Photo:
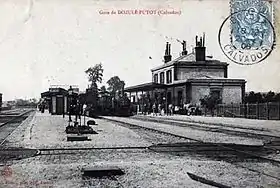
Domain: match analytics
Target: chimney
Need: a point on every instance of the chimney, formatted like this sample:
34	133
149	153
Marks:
167	56
200	48
184	52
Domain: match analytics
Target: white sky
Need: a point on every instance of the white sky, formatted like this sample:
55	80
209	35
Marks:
44	42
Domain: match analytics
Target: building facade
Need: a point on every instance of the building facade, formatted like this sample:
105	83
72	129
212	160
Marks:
58	99
189	78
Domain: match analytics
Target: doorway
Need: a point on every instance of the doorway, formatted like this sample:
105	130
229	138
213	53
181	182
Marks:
169	98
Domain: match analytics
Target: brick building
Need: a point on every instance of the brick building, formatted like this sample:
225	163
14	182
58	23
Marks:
189	78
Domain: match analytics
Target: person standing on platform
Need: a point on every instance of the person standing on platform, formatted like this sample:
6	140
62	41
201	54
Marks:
159	109
169	110
78	111
43	107
84	112
71	111
145	108
172	110
154	109
162	112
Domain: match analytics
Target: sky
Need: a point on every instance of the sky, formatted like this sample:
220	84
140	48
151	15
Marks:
53	42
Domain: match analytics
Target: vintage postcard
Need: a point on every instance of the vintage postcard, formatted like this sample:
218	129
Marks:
139	93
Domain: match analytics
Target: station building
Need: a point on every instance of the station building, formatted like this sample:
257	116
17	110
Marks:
57	99
189	78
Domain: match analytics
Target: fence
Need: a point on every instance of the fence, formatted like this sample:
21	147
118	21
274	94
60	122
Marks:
270	111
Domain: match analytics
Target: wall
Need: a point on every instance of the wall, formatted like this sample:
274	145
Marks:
198	92
185	73
232	94
185	94
229	94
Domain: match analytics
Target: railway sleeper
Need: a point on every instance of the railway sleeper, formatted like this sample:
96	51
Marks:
212	148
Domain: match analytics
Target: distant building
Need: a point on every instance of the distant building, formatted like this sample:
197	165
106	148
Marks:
189	78
57	99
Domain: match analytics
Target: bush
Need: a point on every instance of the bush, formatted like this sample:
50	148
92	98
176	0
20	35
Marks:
210	102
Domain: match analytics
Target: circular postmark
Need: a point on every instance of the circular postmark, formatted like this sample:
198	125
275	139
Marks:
246	37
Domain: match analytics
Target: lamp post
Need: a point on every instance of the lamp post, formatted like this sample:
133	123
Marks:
70	97
165	105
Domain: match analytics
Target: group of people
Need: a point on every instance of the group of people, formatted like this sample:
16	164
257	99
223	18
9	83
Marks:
77	109
160	110
42	105
156	109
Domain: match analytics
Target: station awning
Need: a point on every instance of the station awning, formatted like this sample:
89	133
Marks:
144	87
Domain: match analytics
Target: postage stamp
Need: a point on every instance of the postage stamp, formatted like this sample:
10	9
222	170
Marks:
250	30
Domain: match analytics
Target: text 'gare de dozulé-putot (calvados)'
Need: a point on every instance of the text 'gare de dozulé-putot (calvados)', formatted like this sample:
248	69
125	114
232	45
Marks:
141	12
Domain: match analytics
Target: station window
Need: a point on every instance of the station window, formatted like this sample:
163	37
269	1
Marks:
169	76
162	77
156	78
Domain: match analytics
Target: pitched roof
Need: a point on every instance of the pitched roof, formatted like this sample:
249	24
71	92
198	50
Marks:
189	59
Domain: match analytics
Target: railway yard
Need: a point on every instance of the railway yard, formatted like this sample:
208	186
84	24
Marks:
151	151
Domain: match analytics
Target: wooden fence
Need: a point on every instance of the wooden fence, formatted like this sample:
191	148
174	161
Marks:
270	111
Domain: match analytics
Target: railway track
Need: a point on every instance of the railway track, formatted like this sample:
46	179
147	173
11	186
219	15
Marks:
221	147
12	112
62	151
134	126
7	127
272	142
212	128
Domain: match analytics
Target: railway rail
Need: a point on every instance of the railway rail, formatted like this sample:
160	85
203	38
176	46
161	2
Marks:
212	128
6	129
61	151
12	112
237	151
133	126
14	122
272	142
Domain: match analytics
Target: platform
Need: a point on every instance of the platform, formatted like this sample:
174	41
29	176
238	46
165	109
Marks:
143	168
47	131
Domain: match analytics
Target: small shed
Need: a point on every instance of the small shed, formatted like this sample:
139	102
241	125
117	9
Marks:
57	99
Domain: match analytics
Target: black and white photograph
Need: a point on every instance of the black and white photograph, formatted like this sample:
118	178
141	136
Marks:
139	93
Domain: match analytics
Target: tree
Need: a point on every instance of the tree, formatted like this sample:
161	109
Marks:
253	97
115	84
103	91
24	102
250	98
259	97
277	97
210	102
269	97
95	74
